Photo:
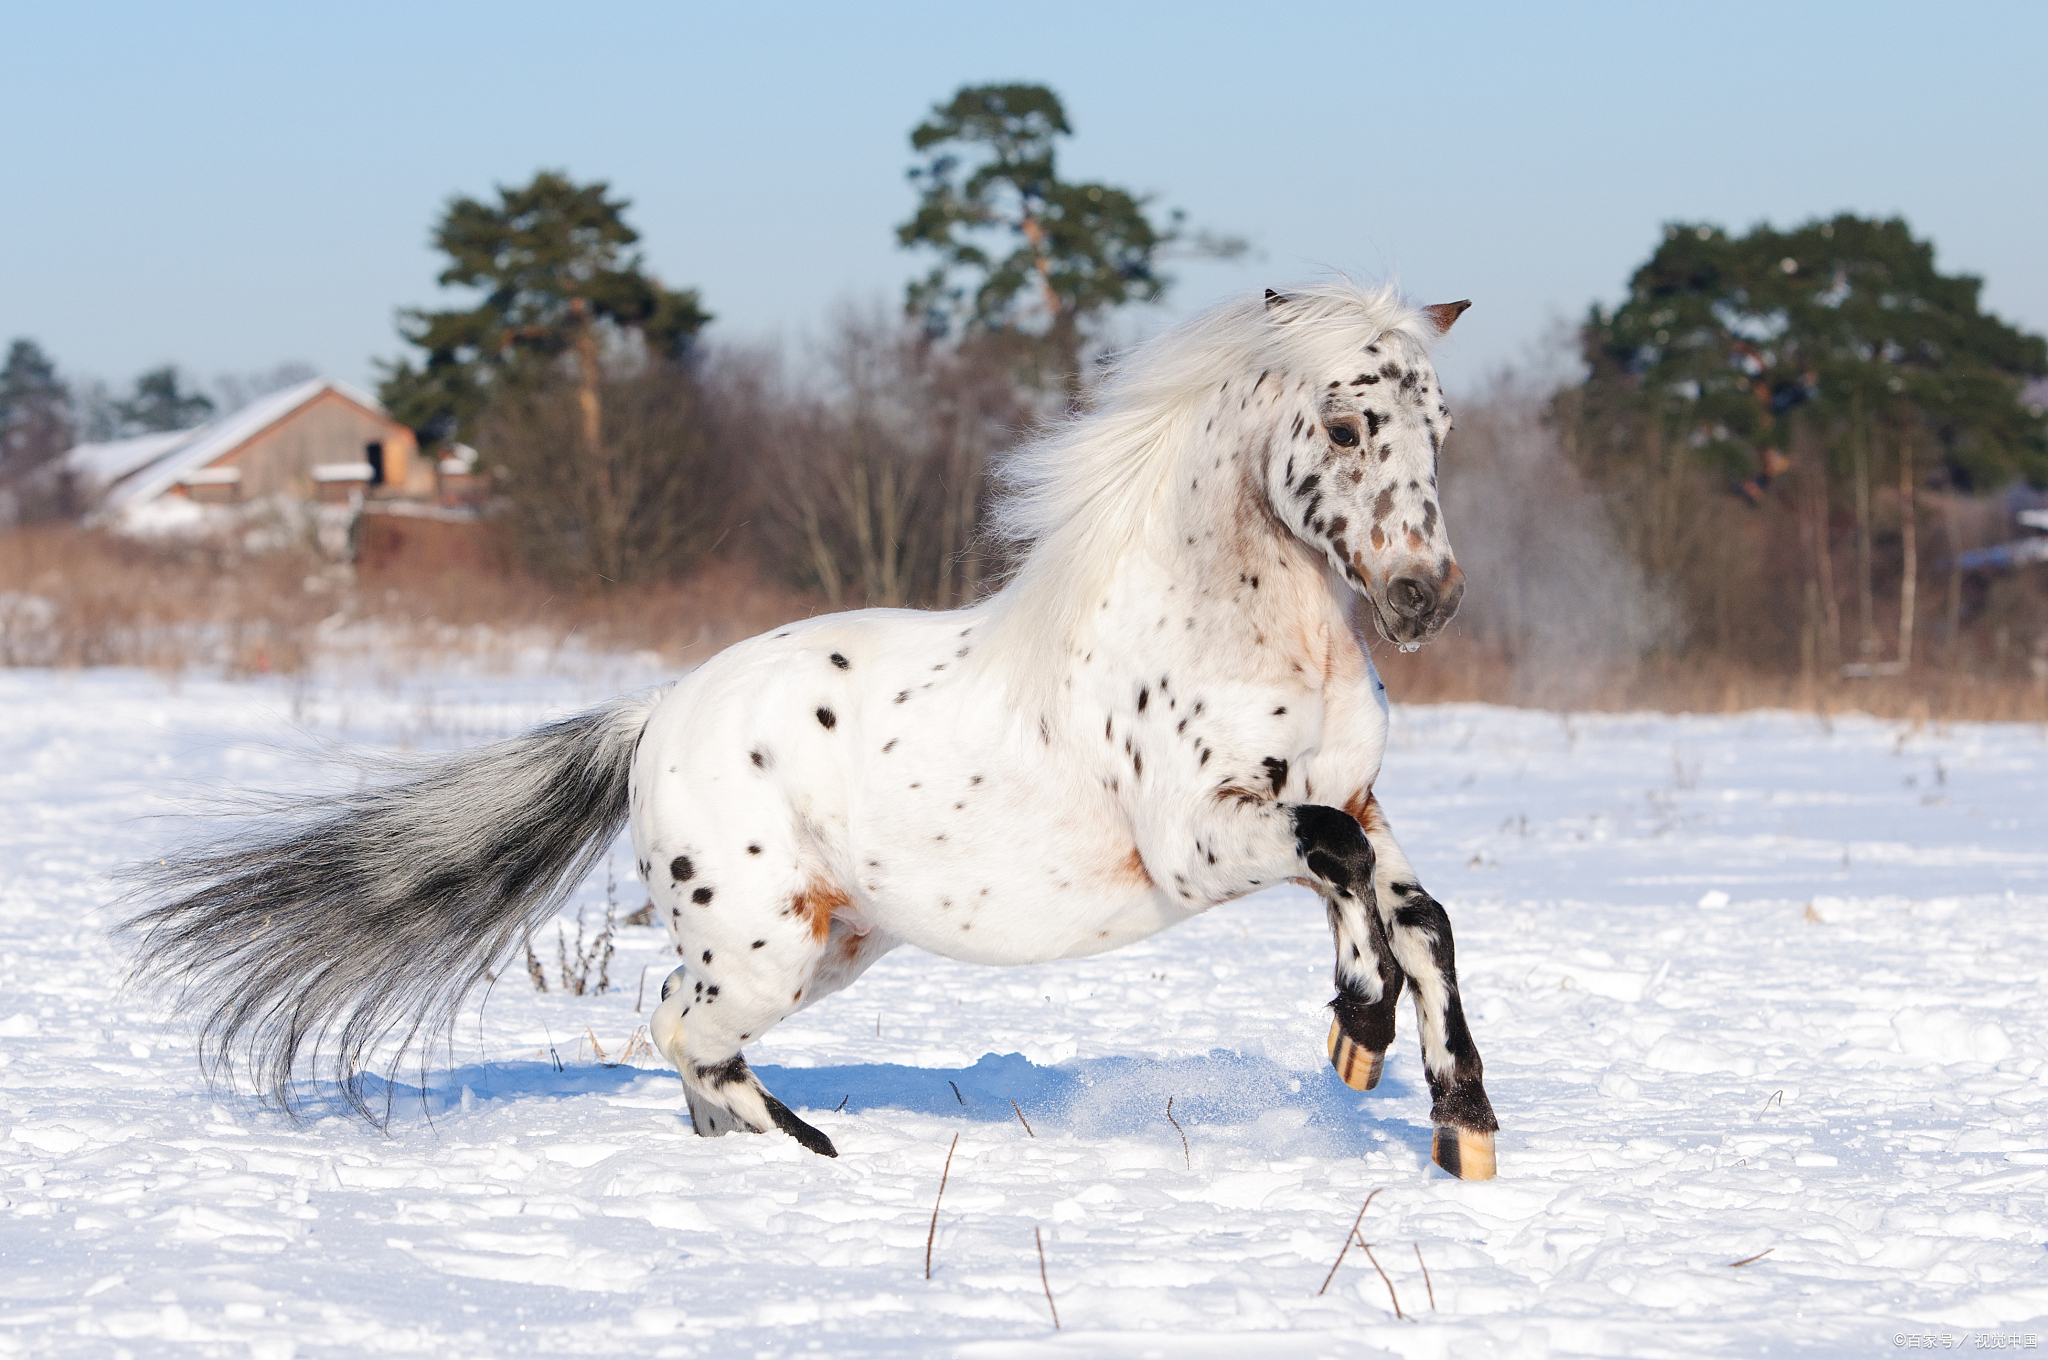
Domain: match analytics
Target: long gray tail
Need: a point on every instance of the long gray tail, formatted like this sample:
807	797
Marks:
347	920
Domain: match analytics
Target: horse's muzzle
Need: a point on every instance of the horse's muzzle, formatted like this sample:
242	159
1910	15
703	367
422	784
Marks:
1414	607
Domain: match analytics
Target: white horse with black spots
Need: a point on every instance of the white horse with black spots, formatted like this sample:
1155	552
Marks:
1164	709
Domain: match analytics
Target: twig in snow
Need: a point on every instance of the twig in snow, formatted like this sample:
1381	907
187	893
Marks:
933	1231
1778	1096
956	1093
1425	1277
1021	1119
1039	1238
1186	1156
842	1102
602	1056
1383	1278
1347	1242
641	995
1747	1259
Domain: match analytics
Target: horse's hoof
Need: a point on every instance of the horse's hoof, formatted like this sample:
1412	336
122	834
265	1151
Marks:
1465	1153
1357	1067
810	1137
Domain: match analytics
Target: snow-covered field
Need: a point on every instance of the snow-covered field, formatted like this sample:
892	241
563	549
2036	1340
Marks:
1749	985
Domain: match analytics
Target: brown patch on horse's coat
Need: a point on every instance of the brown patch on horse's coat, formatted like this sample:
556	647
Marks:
1364	807
816	904
1379	538
1132	867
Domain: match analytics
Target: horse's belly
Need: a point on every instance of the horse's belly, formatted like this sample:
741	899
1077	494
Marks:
1004	898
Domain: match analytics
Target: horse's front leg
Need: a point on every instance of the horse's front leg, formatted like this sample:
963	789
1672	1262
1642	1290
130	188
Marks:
1418	932
1244	842
1369	983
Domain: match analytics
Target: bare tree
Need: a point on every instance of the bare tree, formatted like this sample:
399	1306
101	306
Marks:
875	479
650	501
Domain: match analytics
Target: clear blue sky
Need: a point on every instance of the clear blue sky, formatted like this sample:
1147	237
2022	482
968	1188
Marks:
233	186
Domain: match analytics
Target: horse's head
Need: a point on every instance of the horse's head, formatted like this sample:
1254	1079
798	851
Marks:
1354	475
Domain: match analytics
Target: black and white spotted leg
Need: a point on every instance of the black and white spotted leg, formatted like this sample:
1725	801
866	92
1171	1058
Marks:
1419	932
1369	983
1368	978
702	1038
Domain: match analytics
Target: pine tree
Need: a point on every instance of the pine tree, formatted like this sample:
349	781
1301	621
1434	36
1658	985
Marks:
553	261
1021	250
35	411
1835	352
1728	341
160	403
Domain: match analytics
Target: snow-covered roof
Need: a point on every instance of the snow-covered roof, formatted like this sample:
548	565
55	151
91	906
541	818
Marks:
109	461
143	468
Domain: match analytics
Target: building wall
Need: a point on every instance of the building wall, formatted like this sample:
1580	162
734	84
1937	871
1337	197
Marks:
330	429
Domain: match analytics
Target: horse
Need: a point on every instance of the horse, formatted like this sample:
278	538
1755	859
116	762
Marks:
1165	707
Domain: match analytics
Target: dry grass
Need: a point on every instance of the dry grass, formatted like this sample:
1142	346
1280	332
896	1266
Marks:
71	598
931	1233
1455	670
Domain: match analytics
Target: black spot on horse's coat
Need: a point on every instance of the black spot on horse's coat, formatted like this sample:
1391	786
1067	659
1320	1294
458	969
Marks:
1144	697
1138	762
841	662
753	849
890	745
707	956
827	719
1280	711
1373	421
759	944
901	695
681	870
759	757
701	896
1276	770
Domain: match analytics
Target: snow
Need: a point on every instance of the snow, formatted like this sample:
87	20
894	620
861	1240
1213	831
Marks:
105	463
1753	984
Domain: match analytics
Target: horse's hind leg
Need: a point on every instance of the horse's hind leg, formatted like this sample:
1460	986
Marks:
1419	932
733	990
700	1028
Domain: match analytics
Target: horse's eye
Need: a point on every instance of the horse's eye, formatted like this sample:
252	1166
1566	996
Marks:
1344	435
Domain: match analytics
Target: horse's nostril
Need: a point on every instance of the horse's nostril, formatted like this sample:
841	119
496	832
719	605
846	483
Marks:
1410	597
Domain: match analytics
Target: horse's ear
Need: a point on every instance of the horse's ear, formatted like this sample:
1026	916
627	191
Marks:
1443	314
1274	299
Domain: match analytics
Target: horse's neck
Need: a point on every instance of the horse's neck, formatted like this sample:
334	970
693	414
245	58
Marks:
1259	599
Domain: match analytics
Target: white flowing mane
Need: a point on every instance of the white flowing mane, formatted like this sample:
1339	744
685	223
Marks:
1083	495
